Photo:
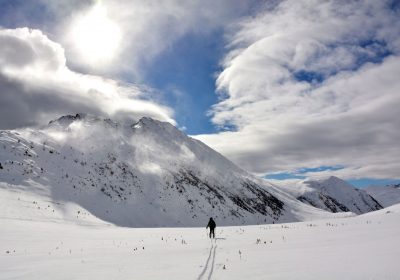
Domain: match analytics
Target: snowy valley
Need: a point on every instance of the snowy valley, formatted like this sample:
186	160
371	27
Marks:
89	198
357	248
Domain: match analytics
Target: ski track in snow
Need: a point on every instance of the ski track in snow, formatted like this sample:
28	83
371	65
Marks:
212	263
212	252
357	248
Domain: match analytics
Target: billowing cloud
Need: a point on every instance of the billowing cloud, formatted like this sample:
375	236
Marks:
36	85
313	83
146	29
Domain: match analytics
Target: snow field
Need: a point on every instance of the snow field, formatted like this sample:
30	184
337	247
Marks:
73	207
363	247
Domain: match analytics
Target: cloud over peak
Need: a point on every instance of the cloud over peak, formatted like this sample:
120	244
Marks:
36	85
304	84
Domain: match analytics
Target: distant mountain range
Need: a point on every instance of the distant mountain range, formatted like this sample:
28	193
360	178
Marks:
334	195
386	195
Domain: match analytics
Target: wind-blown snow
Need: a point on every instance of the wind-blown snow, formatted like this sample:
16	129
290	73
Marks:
146	174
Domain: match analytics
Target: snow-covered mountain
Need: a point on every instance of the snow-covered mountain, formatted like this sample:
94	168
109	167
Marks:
385	195
145	174
333	194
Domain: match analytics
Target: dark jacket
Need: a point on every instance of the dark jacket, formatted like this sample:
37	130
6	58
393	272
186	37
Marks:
211	224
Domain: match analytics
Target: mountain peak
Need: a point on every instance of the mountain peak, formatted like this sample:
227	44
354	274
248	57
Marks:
337	195
331	181
336	180
166	129
65	121
78	116
148	174
148	121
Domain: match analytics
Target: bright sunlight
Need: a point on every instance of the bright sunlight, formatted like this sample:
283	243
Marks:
95	36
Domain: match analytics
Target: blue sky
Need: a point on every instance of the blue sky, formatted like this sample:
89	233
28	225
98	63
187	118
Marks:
186	73
301	174
285	89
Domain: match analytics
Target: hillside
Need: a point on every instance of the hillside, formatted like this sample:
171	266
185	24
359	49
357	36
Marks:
333	194
385	195
146	174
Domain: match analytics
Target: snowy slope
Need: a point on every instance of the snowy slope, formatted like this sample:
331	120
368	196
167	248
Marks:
385	195
147	174
333	194
357	248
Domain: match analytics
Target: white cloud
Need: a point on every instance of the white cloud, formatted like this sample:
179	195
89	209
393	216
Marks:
285	120
148	28
36	85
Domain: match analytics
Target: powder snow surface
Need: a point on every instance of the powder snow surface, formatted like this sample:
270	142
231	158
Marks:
362	247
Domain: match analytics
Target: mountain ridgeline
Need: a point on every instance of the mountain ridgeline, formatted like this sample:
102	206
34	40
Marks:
386	195
149	174
143	174
334	195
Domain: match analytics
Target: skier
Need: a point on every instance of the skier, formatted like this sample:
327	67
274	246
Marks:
212	226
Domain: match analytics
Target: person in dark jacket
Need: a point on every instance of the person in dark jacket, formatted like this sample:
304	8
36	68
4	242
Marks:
212	225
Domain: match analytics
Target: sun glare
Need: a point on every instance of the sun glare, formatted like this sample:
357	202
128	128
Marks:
95	36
